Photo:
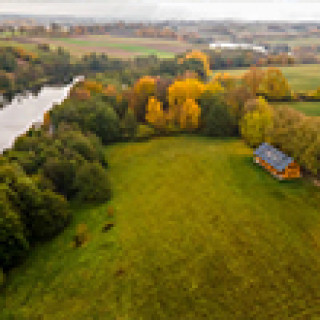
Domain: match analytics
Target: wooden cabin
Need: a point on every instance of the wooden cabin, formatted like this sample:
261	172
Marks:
276	162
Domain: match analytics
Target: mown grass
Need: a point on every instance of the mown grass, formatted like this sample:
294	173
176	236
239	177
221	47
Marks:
200	233
308	108
300	77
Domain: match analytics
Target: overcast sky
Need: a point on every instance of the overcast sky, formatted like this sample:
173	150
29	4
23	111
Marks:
170	9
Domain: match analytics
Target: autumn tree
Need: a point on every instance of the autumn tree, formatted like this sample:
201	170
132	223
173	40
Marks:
189	115
274	85
191	59
256	125
236	98
144	88
252	79
154	114
182	90
226	80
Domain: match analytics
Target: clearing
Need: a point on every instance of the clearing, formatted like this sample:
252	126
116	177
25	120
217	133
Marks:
200	233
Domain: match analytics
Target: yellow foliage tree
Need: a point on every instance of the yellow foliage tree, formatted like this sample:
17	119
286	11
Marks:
214	87
199	55
93	86
154	113
257	124
189	115
179	92
274	85
144	88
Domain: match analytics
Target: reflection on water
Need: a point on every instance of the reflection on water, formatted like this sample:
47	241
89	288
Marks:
24	110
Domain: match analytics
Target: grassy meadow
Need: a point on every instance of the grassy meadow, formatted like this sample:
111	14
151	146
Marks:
308	108
200	233
300	77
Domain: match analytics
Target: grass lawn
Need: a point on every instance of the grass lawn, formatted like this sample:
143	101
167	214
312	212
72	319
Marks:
300	77
200	233
308	108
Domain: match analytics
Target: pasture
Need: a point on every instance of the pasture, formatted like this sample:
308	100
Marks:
116	46
308	108
200	233
300	77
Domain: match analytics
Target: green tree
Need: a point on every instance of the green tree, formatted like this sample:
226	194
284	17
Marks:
129	125
92	183
13	243
256	125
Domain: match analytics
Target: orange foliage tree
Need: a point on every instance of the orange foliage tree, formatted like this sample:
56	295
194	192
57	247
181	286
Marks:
93	86
190	115
155	114
253	79
180	92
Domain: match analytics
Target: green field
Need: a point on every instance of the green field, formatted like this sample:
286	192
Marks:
303	41
27	46
136	49
200	233
300	77
308	108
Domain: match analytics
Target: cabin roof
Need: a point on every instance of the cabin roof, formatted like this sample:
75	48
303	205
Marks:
273	156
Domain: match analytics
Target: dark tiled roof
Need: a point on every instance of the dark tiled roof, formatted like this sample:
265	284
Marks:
273	156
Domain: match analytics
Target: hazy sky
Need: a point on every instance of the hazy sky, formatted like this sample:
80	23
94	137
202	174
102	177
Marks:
170	9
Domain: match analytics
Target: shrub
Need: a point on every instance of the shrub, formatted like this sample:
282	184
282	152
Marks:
144	132
62	174
81	236
129	125
92	183
106	125
13	242
92	115
219	121
2	278
87	145
51	217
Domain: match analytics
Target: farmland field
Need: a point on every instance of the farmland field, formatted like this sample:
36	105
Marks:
12	43
116	46
300	77
200	233
308	108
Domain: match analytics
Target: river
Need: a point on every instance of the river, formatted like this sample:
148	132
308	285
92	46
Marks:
18	117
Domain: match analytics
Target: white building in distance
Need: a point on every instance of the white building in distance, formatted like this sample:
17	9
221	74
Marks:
238	46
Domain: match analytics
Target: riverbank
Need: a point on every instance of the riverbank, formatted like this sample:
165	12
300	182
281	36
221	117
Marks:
21	114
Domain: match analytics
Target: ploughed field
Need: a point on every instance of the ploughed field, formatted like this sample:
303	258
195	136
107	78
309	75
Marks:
200	233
